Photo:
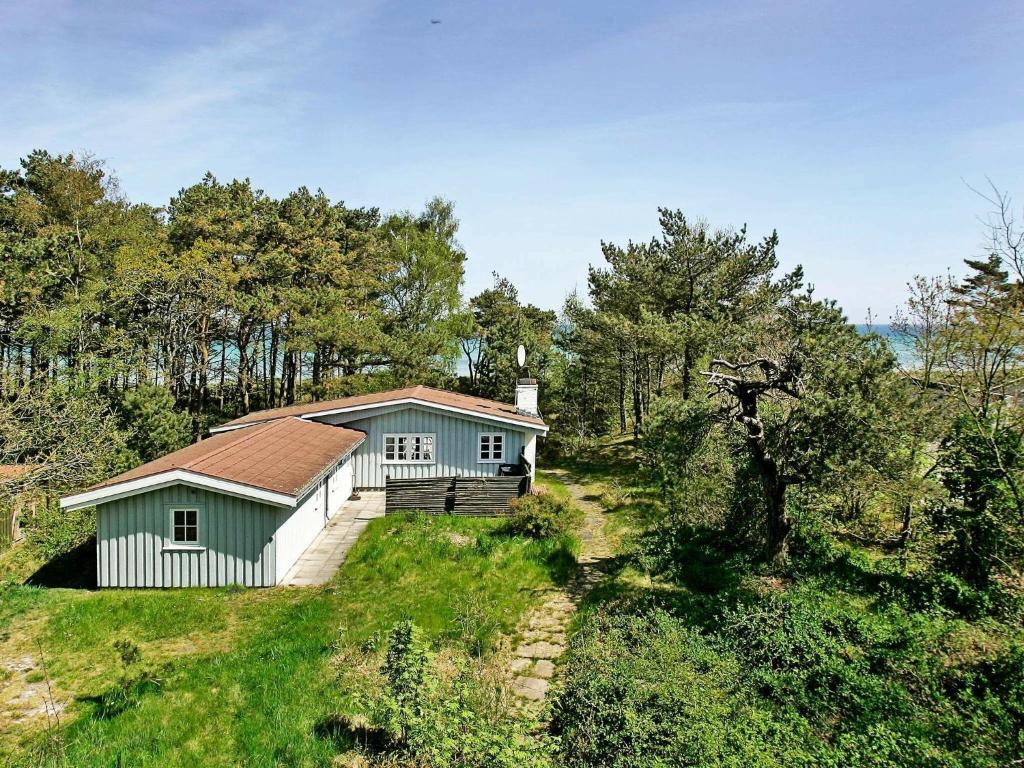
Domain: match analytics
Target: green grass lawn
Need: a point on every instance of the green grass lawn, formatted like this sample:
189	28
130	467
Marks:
245	676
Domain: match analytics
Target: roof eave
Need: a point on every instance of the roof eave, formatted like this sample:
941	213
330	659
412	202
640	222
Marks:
330	467
152	482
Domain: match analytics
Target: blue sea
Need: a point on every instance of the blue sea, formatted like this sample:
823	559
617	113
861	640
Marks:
901	345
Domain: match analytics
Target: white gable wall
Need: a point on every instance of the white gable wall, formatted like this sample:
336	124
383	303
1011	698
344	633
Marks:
339	488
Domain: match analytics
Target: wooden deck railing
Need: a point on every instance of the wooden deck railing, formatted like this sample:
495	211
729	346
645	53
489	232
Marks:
454	495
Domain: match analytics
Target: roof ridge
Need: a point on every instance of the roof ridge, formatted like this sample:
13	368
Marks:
461	394
423	394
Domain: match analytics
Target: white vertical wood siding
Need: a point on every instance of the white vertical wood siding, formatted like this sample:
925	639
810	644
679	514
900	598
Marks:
133	541
340	488
297	527
456	444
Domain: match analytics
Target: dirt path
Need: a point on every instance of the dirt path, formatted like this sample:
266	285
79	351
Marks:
543	630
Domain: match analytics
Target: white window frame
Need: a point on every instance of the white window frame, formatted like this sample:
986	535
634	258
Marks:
408	437
175	544
489	436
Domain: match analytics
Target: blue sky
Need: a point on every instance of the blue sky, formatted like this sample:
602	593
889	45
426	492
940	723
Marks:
851	128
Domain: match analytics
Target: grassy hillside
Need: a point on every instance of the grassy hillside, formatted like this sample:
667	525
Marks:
234	676
686	653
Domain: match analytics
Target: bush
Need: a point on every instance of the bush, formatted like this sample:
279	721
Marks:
55	531
135	681
647	691
543	515
437	712
936	589
789	678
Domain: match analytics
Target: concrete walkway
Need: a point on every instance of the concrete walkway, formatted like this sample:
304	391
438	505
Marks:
321	559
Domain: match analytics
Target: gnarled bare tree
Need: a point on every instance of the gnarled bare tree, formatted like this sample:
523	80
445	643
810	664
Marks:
810	393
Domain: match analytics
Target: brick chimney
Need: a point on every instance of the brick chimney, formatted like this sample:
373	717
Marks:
526	397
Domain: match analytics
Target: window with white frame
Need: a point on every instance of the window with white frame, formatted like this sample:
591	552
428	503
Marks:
409	448
185	525
492	447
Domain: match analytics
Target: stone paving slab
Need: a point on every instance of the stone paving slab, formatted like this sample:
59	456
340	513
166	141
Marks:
328	550
542	634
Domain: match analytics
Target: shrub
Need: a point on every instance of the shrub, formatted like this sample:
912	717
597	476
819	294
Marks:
647	691
438	712
789	678
135	680
55	531
543	515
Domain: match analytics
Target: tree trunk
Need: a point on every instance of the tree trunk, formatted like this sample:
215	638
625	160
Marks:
263	363
622	392
638	414
288	377
687	371
223	362
317	372
272	377
779	521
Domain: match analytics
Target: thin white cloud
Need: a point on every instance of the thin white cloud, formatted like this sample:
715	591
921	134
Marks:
243	89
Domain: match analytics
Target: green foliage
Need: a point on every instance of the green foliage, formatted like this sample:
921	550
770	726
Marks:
544	515
688	456
500	325
795	678
420	292
55	531
135	681
434	715
979	522
68	430
644	691
227	298
404	670
156	427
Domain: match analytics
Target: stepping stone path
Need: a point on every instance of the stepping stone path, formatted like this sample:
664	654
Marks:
542	632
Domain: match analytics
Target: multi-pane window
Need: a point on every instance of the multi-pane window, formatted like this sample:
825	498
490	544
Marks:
409	448
492	447
185	526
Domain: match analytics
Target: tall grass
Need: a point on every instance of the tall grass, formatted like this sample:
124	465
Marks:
244	675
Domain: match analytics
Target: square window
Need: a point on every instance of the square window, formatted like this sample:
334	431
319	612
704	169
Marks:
491	447
185	526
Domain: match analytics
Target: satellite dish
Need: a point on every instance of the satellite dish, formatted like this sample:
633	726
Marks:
521	355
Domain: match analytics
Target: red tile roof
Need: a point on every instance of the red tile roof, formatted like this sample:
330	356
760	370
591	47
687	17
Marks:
426	395
13	471
284	455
